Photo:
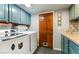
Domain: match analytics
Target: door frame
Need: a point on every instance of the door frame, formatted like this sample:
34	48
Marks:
52	27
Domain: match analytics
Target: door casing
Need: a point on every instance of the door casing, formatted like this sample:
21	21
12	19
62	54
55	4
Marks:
46	35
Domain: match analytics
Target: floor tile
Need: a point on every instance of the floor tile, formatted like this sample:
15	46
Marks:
44	50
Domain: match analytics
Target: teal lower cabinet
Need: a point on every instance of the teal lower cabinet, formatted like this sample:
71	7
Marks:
68	46
71	51
74	46
64	45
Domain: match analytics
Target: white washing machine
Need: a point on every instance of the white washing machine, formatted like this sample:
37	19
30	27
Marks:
19	45
32	39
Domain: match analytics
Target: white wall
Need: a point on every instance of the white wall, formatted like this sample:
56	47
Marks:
35	24
56	32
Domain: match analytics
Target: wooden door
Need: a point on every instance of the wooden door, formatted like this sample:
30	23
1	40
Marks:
46	30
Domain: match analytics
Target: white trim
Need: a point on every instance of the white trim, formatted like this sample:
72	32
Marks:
57	49
46	12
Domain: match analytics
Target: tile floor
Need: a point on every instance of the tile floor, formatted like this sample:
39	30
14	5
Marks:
44	50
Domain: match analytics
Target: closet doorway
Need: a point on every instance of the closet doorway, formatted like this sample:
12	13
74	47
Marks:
46	30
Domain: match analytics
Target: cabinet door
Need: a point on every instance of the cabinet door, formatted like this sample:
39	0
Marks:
62	43
28	19
71	51
14	13
72	12
23	17
65	45
74	46
76	10
6	12
1	11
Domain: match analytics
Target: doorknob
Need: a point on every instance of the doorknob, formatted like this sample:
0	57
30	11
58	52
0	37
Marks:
45	44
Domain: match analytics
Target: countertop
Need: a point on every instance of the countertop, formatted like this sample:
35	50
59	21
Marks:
16	36
73	37
11	37
28	32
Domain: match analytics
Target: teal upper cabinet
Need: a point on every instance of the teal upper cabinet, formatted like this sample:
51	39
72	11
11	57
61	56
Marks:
25	18
28	19
1	11
72	12
76	10
4	12
18	15
14	13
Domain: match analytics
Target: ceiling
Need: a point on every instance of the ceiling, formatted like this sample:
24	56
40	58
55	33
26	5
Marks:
38	8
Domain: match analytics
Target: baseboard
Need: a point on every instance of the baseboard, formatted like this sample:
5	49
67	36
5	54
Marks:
57	49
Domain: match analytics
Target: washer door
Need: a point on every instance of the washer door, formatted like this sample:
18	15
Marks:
20	45
13	46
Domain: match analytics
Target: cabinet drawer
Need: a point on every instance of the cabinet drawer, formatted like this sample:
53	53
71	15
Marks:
74	46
